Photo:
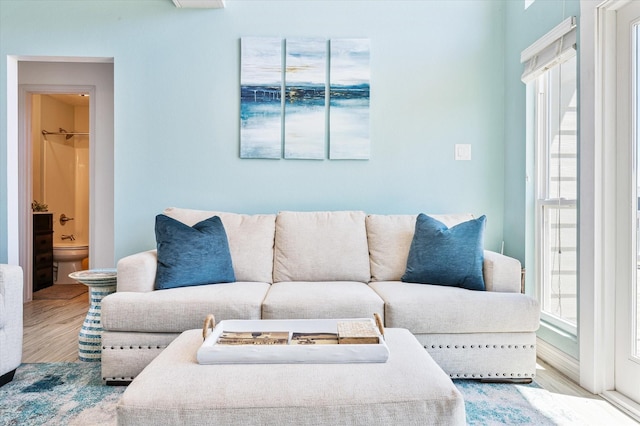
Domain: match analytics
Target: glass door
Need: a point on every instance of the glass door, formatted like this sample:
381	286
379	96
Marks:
627	337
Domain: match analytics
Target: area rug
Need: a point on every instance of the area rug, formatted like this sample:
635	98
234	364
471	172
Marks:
66	393
60	292
73	394
503	403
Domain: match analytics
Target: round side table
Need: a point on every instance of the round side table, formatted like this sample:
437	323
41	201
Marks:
101	282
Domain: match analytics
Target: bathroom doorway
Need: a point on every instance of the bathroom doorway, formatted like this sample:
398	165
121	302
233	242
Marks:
60	175
60	76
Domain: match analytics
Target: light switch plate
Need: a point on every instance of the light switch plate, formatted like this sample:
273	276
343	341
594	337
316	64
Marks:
462	151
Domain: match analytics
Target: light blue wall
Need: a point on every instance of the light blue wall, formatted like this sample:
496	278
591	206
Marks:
438	75
523	27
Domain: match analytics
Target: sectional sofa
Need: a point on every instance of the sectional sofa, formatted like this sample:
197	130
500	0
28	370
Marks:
339	264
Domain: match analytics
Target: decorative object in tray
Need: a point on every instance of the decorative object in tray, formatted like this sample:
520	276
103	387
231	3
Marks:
253	338
293	341
357	332
314	339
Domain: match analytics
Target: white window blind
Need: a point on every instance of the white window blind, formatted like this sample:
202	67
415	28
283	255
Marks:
553	48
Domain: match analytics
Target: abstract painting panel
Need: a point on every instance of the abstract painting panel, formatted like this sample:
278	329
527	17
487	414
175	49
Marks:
260	98
305	106
349	100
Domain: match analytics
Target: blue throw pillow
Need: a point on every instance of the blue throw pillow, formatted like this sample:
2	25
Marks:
189	256
447	256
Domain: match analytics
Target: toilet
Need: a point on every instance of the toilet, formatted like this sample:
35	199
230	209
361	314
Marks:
67	258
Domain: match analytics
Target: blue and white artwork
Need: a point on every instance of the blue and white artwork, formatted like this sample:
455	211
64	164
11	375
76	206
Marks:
305	106
349	100
260	98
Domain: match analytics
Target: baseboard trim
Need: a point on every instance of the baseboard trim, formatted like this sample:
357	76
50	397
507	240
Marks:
624	404
565	364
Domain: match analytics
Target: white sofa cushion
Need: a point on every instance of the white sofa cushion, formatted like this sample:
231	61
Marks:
3	315
430	309
250	240
178	309
321	246
390	238
309	300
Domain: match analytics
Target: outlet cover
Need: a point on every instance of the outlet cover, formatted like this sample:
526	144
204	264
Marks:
462	152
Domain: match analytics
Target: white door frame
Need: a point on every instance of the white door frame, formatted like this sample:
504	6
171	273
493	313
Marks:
101	156
598	205
597	195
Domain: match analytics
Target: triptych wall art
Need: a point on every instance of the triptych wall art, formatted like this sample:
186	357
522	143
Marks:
299	96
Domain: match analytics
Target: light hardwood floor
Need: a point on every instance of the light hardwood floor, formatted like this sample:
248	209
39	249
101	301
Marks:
51	335
51	329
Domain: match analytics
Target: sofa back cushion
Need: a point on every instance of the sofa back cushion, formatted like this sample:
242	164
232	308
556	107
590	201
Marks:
250	238
390	238
321	246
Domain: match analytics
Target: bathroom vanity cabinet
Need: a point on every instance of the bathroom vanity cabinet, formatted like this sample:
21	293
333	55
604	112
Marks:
42	250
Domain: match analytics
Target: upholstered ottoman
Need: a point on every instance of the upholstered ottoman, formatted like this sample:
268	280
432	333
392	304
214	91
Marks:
409	389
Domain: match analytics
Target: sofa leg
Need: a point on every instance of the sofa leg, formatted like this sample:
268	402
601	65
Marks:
117	382
7	377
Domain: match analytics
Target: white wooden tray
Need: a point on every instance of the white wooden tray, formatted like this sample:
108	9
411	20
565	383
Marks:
212	353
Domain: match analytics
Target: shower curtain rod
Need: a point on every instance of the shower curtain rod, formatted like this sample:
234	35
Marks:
45	132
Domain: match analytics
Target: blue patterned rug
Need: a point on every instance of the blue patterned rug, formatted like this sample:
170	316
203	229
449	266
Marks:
73	394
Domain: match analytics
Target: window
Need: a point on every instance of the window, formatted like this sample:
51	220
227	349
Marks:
556	193
551	68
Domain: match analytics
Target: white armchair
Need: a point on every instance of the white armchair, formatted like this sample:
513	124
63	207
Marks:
11	284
